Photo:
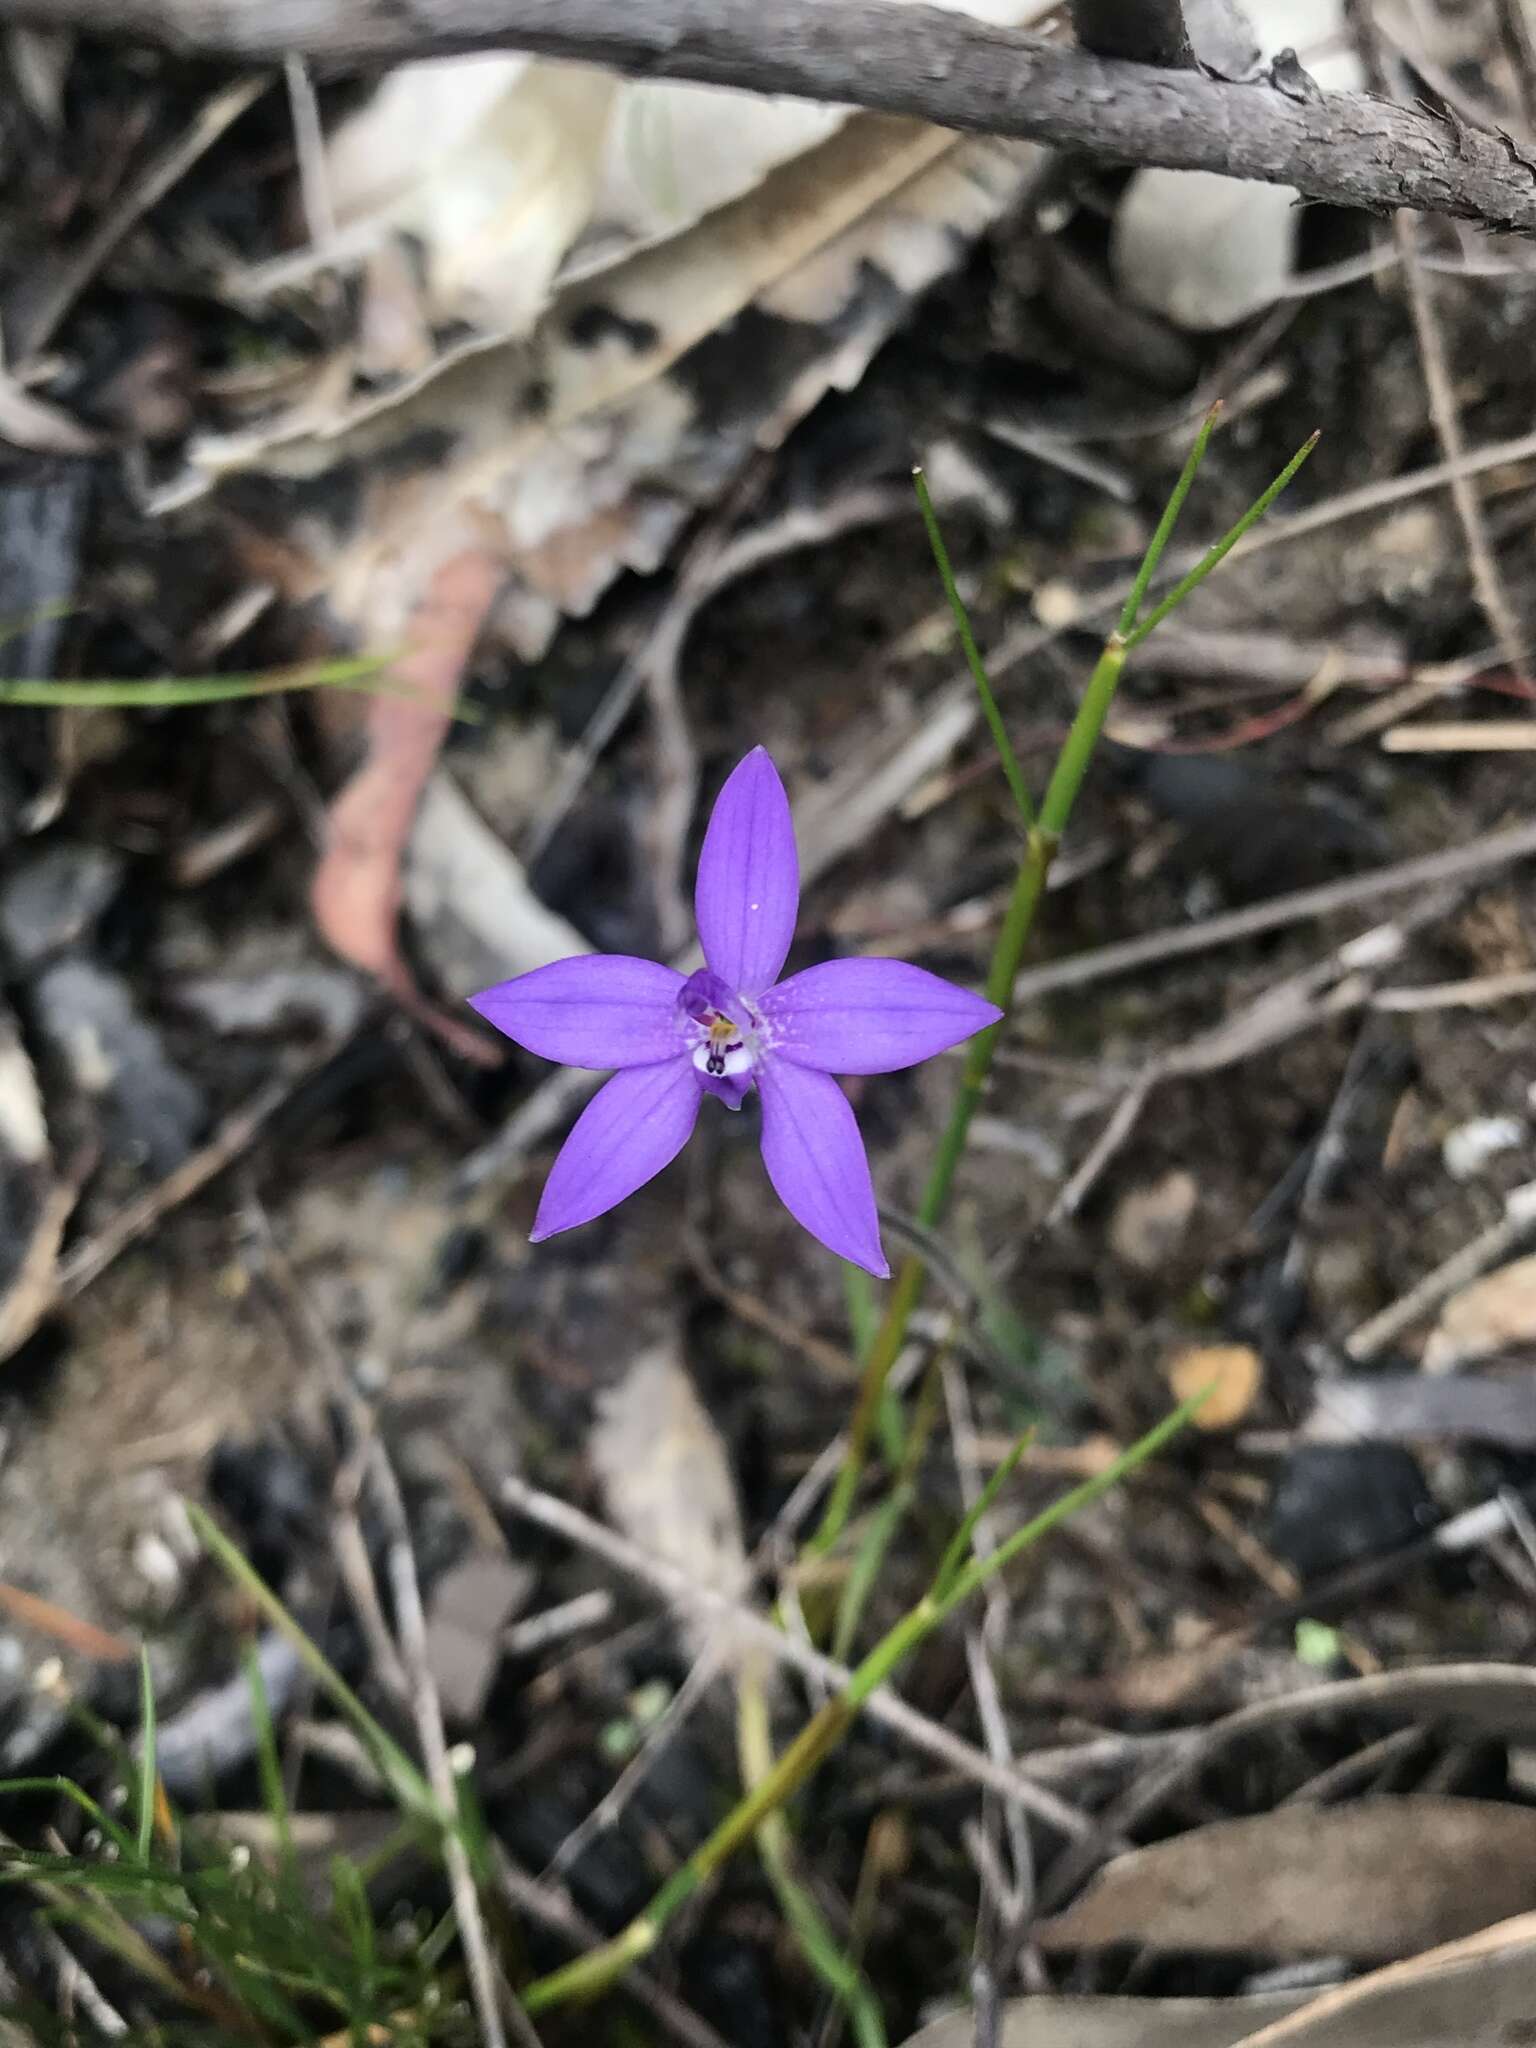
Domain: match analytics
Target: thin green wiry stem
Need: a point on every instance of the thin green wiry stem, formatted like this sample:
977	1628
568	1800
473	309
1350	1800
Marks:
167	693
395	1767
1018	922
145	1816
953	1562
1214	556
869	1559
818	1943
1010	760
600	1967
365	673
1018	919
1163	533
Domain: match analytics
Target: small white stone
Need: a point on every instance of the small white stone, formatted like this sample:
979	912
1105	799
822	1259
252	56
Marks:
154	1560
1471	1145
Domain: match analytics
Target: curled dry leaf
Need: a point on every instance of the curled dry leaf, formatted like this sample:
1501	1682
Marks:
357	887
499	175
584	449
1373	1879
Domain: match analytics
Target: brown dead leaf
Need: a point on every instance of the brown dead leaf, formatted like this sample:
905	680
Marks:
1371	1879
1117	2022
1476	1993
1492	1314
357	889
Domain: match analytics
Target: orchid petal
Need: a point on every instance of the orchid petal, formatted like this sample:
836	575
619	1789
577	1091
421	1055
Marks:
598	1010
869	1016
816	1161
748	888
635	1124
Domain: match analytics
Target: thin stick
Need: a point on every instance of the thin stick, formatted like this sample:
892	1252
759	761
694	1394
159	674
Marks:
1468	736
675	1585
167	170
237	1133
1492	851
427	1711
1446	414
552	1906
1486	1249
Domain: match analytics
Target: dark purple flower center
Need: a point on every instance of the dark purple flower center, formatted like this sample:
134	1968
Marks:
721	1032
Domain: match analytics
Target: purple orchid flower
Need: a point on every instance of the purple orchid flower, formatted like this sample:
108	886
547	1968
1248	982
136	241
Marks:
675	1039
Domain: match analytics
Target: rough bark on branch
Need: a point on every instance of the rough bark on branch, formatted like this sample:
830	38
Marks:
1349	148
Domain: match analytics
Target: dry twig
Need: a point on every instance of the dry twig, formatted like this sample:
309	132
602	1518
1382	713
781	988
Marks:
676	1585
947	68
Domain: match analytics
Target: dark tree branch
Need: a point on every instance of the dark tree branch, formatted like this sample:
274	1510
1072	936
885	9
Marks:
947	68
1141	31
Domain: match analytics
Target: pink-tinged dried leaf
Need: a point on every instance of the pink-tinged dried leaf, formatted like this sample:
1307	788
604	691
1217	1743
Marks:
47	1618
356	893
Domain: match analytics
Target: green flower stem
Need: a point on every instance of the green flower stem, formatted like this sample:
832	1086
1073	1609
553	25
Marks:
1018	922
1214	556
1135	597
600	1967
1010	760
409	1787
818	1943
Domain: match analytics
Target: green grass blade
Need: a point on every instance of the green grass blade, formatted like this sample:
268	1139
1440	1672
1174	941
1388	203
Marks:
148	1771
980	1569
268	1764
66	1788
365	673
974	662
407	1784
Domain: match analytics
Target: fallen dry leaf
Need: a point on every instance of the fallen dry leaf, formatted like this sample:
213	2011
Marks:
1475	1993
1117	2022
469	901
1491	1315
586	448
1372	1879
667	1480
